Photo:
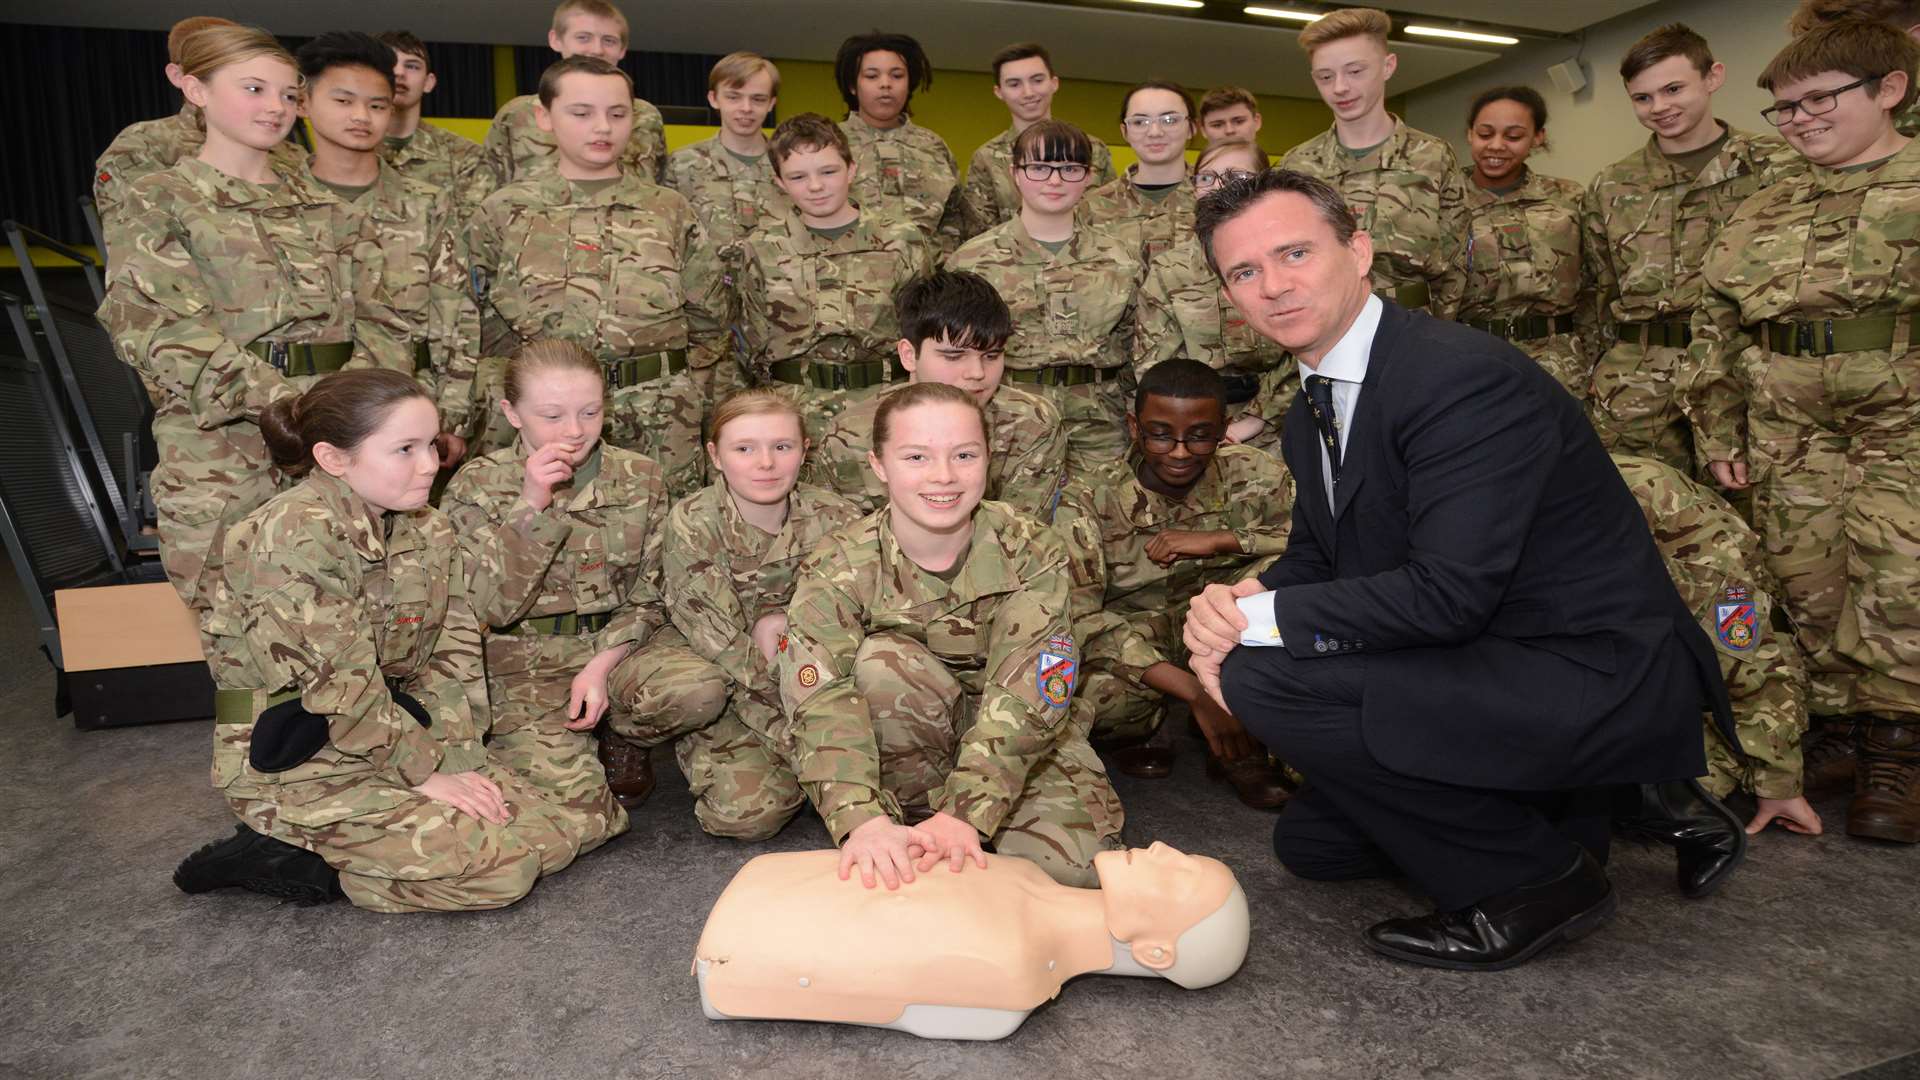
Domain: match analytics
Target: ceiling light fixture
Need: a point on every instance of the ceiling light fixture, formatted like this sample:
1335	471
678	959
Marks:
1462	35
1173	3
1282	13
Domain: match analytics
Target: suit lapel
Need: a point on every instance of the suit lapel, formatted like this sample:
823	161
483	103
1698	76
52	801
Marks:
1355	461
1302	445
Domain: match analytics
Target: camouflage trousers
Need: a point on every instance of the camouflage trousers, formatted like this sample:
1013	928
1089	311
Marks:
1767	684
663	691
1067	810
205	482
1635	407
1563	356
743	784
1113	710
529	682
1835	451
1278	388
660	418
1095	418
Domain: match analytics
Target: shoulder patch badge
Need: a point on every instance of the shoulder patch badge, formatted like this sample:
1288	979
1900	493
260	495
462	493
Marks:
1060	644
1053	676
1737	622
808	676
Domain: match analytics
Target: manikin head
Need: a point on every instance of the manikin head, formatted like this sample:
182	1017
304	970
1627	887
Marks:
1181	916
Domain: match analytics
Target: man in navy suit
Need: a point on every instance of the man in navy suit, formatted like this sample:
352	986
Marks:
1471	647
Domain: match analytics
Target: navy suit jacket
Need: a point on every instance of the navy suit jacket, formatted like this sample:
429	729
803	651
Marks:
1485	556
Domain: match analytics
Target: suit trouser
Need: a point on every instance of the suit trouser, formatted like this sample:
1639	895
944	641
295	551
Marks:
1361	819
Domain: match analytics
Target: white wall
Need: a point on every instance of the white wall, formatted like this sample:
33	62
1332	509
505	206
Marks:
1596	127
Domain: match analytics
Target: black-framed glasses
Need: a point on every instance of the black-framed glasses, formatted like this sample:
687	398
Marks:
1818	103
1161	442
1168	120
1212	178
1040	172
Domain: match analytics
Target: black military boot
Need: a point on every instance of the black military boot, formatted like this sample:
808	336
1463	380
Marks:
1707	839
259	863
1886	786
1829	761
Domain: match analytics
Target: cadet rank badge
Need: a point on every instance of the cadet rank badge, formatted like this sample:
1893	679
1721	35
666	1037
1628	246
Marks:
1053	675
1737	620
808	676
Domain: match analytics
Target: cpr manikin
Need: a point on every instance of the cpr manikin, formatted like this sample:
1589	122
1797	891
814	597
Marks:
959	955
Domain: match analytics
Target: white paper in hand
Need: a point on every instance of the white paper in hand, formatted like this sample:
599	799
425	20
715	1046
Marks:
1261	627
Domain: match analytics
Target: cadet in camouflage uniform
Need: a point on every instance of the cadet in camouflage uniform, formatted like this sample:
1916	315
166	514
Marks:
1804	380
943	697
1404	185
1151	206
728	580
517	147
1172	519
953	329
229	292
1902	15
563	534
354	611
1717	564
728	179
421	151
1071	288
1183	312
1024	81
816	284
1650	219
612	262
1528	280
902	170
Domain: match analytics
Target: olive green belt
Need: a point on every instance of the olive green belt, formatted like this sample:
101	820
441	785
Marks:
634	370
307	358
1065	375
1671	333
1415	295
1525	327
1832	336
569	624
422	356
236	706
830	375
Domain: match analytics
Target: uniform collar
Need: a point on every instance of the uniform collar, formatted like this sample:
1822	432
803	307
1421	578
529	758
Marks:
1734	159
984	572
365	530
1150	508
1904	165
1020	240
593	495
558	190
296	186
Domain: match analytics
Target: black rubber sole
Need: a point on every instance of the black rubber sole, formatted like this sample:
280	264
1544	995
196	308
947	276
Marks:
1575	928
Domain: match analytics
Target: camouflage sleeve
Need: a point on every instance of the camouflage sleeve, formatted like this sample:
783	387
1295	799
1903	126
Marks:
1031	676
482	253
453	366
655	126
453	686
1156	328
644	610
1034	467
952	230
1260	506
497	151
836	755
1589	325
113	177
509	548
1278	387
1710	394
756	314
1448	280
1597	251
708	307
1103	172
976	195
160	314
306	626
701	599
1767	684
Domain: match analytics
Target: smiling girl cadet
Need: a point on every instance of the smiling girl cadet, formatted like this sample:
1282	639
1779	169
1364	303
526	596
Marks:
928	668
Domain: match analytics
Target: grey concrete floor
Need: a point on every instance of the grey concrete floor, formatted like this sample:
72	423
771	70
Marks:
1807	964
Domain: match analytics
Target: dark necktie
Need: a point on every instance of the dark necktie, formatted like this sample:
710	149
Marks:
1319	390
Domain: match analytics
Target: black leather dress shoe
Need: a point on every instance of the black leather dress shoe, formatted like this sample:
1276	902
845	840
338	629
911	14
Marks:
1708	840
259	863
1505	930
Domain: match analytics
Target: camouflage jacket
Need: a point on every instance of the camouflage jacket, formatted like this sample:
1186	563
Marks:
907	173
988	198
806	297
323	595
595	550
723	575
213	263
1649	224
516	148
1149	226
1026	452
1244	491
731	198
1184	312
1001	628
623	272
452	163
152	146
1524	255
1717	563
1819	244
1410	197
1072	308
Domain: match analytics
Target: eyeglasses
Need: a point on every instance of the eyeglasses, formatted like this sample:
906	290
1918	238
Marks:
1167	120
1163	443
1040	172
1209	178
1818	103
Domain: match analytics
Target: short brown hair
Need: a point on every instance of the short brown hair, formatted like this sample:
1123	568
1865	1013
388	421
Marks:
188	27
342	409
1024	50
807	133
1156	84
1052	140
598	9
919	393
1345	23
1236	197
1899	14
404	41
1673	39
548	354
1226	97
756	401
1864	50
576	65
734	69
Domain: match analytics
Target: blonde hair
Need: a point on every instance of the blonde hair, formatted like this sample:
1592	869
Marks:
598	9
548	354
734	69
758	401
186	28
1346	23
206	51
